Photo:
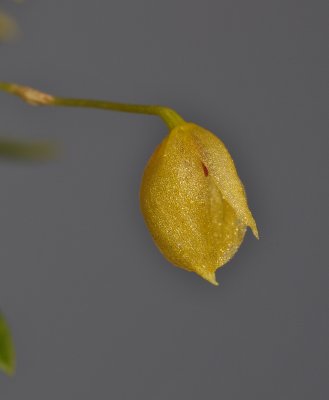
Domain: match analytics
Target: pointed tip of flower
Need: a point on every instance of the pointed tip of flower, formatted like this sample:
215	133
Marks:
253	227
209	276
255	232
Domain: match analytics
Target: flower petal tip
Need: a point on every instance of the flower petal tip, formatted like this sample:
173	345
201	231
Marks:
252	225
209	276
255	232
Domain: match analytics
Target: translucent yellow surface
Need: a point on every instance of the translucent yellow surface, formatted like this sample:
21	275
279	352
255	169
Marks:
193	201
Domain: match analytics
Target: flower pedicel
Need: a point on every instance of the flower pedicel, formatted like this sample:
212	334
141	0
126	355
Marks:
191	197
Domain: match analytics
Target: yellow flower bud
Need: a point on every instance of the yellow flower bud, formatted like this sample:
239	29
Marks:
193	201
191	196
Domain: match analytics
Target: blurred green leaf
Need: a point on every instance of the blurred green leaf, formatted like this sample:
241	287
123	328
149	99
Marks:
7	351
34	151
8	27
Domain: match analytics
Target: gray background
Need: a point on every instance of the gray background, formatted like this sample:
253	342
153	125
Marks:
96	311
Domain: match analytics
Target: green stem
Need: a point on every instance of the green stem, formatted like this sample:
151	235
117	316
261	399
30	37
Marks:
35	97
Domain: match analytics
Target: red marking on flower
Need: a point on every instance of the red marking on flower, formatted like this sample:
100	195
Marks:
205	169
